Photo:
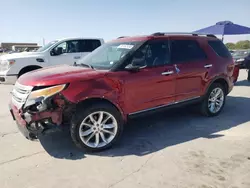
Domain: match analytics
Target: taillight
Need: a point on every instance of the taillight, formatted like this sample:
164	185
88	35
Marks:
230	67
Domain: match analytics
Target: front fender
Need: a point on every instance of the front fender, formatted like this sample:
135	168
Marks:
22	63
79	91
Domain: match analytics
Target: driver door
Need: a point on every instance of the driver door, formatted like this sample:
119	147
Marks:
153	86
67	52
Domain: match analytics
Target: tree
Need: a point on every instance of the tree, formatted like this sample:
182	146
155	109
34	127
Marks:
245	44
230	46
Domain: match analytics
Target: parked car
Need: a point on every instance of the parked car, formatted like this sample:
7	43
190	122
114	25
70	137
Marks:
239	58
232	51
122	79
63	51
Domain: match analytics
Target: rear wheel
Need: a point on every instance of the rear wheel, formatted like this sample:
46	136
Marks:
214	100
96	127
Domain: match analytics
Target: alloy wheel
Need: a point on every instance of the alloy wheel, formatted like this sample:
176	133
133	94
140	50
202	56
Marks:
216	100
98	129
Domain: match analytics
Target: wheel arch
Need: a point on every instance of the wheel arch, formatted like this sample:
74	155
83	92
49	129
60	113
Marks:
28	68
221	80
93	100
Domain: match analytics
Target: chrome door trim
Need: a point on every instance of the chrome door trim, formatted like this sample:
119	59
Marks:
165	105
154	108
185	100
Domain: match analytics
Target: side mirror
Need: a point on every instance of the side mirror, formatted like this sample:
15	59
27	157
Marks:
138	62
56	51
52	52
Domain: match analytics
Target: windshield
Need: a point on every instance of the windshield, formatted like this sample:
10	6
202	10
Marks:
45	47
108	54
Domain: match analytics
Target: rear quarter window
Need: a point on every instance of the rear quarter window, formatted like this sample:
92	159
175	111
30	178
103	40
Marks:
219	48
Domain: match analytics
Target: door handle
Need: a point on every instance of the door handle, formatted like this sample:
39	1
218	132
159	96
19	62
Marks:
77	57
208	66
167	73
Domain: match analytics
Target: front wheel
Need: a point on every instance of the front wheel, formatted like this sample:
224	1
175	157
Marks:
214	100
96	127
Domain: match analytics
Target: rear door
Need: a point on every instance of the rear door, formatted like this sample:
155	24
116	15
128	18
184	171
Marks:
88	45
192	65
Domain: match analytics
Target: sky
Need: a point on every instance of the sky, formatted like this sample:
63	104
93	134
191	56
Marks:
33	20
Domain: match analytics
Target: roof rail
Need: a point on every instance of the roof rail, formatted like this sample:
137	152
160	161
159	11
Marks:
181	33
121	37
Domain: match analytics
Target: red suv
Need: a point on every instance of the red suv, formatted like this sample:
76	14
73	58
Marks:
124	78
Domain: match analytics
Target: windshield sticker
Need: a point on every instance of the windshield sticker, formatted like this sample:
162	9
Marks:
125	46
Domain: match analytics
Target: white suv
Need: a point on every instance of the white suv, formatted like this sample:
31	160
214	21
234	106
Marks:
64	51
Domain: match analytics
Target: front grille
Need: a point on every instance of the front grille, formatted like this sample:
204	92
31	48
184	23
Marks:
20	94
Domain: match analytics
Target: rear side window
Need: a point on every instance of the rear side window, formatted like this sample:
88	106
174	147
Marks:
89	45
219	48
186	50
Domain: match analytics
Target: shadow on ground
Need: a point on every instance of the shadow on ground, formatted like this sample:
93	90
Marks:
242	83
159	131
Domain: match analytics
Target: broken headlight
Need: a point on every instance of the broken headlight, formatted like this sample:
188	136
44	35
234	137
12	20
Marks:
38	96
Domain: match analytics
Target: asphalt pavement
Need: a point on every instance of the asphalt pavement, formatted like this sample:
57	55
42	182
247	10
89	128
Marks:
177	148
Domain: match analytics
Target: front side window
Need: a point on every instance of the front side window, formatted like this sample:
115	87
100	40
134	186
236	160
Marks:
61	47
72	46
107	55
186	50
152	54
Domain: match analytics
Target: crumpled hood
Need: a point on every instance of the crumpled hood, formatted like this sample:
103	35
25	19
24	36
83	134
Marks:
61	74
21	55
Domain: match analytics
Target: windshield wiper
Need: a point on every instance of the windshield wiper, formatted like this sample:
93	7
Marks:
84	65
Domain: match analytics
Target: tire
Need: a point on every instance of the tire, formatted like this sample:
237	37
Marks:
83	115
205	110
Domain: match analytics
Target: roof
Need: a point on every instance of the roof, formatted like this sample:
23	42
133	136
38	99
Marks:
132	39
77	38
163	35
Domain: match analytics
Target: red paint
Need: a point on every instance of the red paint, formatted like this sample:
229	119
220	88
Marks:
60	74
236	73
131	92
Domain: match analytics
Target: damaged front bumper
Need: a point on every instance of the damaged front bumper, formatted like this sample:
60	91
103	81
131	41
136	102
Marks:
21	124
40	116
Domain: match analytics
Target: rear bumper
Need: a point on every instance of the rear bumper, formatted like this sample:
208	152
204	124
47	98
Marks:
8	79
